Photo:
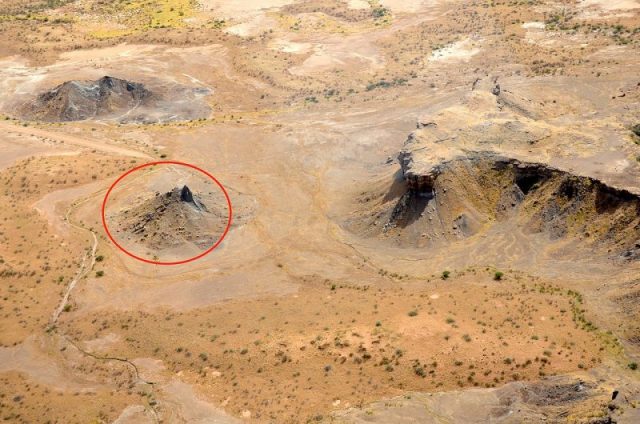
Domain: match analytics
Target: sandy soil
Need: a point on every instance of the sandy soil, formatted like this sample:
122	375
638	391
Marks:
296	317
613	5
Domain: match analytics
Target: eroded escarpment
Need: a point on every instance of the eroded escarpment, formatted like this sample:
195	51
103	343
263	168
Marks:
113	98
472	193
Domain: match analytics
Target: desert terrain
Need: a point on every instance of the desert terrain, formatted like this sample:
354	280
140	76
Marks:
435	211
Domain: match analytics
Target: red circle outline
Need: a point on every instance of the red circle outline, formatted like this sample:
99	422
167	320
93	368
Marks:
167	162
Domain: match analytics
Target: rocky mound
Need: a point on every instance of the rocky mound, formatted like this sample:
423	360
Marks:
489	172
174	219
467	195
110	98
80	100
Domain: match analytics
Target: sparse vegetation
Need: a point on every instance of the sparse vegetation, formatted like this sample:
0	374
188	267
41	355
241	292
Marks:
307	105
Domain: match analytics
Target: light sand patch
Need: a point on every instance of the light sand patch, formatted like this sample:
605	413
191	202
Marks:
186	294
101	343
459	51
353	52
254	26
134	414
150	369
533	25
29	358
242	8
408	6
358	4
17	77
106	54
188	407
554	39
70	140
291	46
16	146
612	4
607	9
48	205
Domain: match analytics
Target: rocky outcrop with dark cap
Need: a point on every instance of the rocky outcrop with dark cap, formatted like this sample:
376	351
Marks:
80	100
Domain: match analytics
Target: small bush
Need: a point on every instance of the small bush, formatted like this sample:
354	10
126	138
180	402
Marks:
413	313
379	12
99	258
99	273
445	274
498	276
633	366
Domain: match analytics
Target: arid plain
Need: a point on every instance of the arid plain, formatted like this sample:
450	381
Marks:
436	211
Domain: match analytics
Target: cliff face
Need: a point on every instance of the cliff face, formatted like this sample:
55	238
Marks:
471	170
481	193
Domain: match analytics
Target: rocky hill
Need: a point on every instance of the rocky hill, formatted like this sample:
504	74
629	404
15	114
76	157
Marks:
172	219
80	100
471	170
115	99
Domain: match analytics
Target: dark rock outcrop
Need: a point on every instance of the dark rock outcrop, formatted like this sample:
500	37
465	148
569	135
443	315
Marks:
186	195
80	100
454	197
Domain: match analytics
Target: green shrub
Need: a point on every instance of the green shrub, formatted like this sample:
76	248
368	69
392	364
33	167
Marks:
379	12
